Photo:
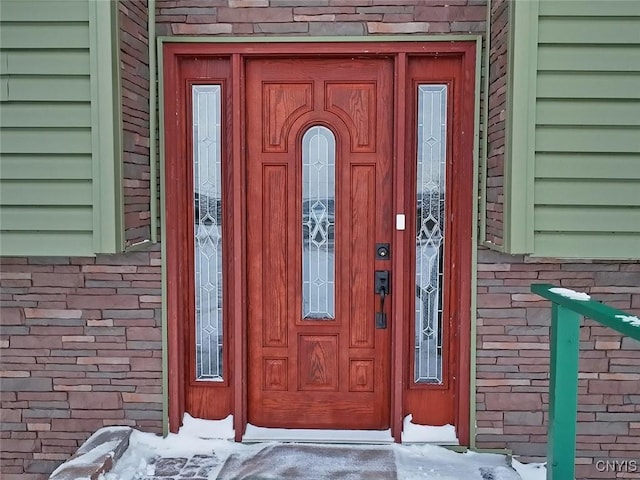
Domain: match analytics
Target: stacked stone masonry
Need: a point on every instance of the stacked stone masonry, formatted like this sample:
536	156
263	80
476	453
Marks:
494	188
134	77
319	17
81	349
513	361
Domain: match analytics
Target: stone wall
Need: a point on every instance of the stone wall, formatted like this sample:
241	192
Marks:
494	200
513	360
319	17
81	349
134	77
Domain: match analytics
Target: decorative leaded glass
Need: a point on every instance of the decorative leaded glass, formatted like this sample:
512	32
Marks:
208	231
318	223
432	136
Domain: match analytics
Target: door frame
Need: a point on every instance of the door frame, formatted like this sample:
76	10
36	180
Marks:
171	51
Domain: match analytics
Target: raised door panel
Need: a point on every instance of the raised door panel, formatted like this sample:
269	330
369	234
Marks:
283	104
362	230
355	104
275	274
318	362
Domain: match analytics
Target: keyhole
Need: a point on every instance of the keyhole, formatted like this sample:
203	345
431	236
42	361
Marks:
382	251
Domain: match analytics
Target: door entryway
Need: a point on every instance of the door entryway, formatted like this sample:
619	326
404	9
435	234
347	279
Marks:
319	201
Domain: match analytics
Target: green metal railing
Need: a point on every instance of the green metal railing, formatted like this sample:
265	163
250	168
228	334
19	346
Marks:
564	343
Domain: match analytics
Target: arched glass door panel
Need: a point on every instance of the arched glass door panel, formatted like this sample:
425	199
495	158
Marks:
318	224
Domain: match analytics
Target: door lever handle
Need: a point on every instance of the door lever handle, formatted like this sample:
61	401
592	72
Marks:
382	288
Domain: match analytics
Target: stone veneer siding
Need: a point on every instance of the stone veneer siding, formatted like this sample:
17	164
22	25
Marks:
319	17
494	178
513	360
134	78
81	349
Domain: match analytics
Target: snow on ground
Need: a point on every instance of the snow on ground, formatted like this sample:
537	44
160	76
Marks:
143	447
413	462
530	471
430	462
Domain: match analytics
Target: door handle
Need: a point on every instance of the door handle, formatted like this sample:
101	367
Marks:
382	288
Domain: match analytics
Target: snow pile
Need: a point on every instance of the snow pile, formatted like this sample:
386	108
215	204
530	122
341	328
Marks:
530	471
414	433
572	294
104	446
196	427
87	459
137	462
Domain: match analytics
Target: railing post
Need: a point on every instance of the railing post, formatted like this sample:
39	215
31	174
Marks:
567	309
563	393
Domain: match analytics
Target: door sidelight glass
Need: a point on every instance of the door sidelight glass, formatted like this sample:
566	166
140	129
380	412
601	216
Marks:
430	232
207	185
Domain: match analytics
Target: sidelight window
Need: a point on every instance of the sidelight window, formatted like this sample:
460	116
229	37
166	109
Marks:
207	231
430	232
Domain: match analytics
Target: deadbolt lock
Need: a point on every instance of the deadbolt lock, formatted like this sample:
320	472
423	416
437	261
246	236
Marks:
382	251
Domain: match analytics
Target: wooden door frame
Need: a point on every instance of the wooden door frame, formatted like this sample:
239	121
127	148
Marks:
171	51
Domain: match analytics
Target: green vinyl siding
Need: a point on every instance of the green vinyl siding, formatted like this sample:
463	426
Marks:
594	166
601	112
41	62
587	193
588	85
23	217
576	30
62	243
586	129
59	166
45	11
46	114
581	244
38	193
45	88
578	219
43	36
590	8
46	140
46	167
588	58
587	139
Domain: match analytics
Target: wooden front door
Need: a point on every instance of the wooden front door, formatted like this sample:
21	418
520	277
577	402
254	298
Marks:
319	195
